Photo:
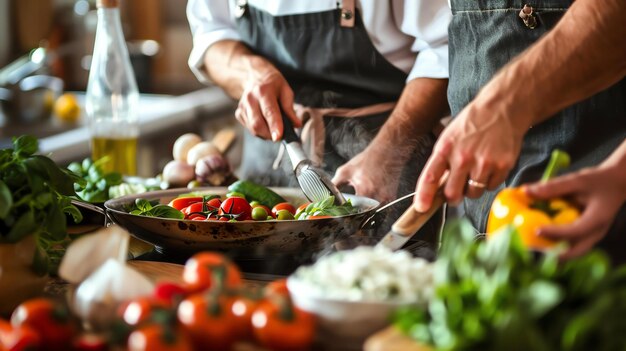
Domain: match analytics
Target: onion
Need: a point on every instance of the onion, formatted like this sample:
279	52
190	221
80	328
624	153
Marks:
178	173
183	144
200	150
212	169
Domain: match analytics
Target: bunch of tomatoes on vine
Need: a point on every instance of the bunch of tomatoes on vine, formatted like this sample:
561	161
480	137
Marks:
212	309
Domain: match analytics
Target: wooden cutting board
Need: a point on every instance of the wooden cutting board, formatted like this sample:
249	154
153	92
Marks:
159	271
391	339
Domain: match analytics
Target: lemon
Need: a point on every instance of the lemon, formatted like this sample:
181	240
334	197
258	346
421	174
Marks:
66	108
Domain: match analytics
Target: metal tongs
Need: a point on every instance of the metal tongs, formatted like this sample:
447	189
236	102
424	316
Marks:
314	182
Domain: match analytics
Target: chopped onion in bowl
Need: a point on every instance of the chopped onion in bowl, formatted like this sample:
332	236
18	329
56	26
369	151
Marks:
369	274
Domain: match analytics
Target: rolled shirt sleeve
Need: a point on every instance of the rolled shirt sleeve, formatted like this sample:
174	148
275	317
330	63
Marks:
210	21
427	21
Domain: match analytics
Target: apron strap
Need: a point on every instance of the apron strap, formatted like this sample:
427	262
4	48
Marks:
347	13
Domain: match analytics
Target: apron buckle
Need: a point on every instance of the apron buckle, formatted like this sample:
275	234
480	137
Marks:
527	15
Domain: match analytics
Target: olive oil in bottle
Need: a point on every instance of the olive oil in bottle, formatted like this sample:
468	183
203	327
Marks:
112	95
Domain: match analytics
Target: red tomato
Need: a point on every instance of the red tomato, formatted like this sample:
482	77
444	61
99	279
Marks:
156	337
193	208
207	320
18	338
283	206
201	269
48	319
223	219
283	326
90	342
214	203
169	292
242	309
318	217
277	287
181	202
197	218
139	310
237	206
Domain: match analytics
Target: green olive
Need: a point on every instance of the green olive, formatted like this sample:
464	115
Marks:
284	215
259	214
254	203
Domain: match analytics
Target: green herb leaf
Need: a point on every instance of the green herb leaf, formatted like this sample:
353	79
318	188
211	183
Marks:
25	145
6	200
165	211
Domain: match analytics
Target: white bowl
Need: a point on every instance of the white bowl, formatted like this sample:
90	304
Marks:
343	324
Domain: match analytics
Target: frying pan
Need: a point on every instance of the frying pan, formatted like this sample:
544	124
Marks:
247	238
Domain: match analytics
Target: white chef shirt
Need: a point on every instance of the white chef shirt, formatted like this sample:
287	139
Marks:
411	34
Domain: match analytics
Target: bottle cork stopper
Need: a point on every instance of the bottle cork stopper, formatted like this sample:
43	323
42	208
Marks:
107	3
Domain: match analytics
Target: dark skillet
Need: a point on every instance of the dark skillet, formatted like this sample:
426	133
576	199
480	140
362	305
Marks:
249	237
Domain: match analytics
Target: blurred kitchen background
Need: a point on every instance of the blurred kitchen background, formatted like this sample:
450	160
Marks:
159	41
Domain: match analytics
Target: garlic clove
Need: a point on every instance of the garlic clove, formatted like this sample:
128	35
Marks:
97	298
88	253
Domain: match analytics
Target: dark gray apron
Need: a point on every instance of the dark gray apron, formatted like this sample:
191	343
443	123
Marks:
327	66
484	36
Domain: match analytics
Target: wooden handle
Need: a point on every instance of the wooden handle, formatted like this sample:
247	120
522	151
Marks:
411	220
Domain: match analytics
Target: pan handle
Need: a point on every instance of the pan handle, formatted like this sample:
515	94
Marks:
380	209
92	207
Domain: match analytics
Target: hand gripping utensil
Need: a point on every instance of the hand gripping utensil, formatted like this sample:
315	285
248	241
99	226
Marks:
314	182
409	223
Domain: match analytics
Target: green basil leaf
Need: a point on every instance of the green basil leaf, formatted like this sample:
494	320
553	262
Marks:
143	205
25	145
59	180
165	211
56	225
23	227
71	210
6	200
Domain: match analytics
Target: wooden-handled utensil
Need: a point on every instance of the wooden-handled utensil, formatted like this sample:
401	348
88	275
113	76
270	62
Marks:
409	223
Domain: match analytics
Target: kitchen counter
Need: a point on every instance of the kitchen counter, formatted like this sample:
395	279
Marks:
157	114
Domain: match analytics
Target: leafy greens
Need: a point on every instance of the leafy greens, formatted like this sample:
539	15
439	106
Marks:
34	198
497	295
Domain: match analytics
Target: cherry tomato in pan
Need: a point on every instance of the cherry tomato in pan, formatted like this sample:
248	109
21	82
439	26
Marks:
236	206
181	202
283	206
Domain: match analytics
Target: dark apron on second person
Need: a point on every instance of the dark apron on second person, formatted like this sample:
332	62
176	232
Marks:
328	65
486	35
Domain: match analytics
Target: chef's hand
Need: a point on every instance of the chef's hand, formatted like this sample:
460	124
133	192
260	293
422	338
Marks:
369	176
600	192
258	109
481	144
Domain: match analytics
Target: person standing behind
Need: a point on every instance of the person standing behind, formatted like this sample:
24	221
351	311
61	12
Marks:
525	81
359	73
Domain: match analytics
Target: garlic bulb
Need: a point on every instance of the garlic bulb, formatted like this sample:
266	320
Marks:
98	297
89	252
212	169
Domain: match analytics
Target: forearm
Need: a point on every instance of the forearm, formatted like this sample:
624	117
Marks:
230	63
584	54
422	104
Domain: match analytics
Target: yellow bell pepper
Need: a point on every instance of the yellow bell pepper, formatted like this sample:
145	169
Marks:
513	206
